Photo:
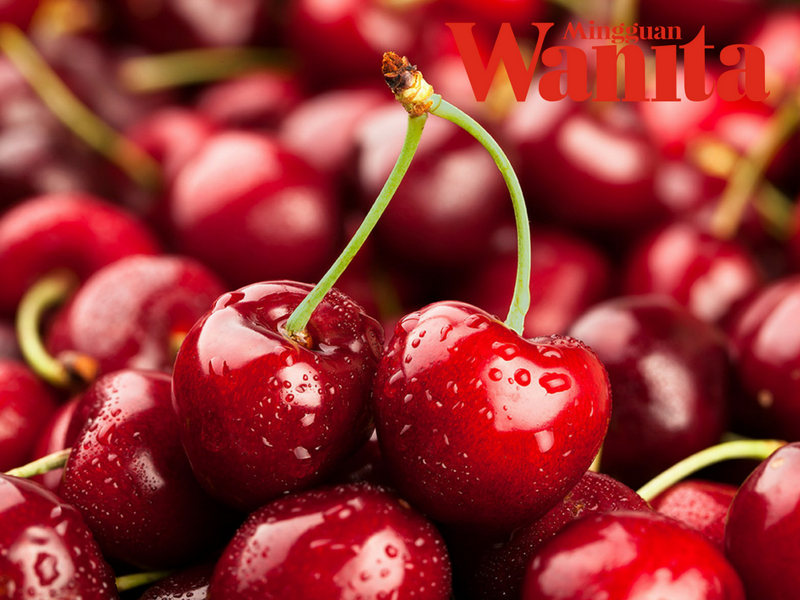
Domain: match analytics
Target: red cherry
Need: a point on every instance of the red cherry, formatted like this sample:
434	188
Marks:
703	505
74	231
129	313
47	550
630	555
478	426
129	454
262	414
8	341
763	527
26	405
53	439
722	19
351	541
668	373
188	584
252	211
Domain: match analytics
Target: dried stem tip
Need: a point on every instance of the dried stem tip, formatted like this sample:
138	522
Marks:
407	84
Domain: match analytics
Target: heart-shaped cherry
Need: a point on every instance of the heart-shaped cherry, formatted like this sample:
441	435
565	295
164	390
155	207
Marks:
262	413
481	428
350	541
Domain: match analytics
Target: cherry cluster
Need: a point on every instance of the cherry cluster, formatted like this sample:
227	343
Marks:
198	399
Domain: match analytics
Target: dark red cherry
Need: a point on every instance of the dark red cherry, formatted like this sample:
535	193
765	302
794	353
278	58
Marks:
187	584
723	19
253	211
501	569
350	541
478	426
568	275
630	555
763	527
767	358
18	12
668	373
129	454
26	405
135	312
711	277
8	340
702	505
73	231
262	414
47	550
777	33
53	439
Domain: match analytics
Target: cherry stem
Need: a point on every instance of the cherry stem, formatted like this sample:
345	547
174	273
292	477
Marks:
137	164
522	294
749	169
43	465
134	580
737	449
50	291
299	318
152	73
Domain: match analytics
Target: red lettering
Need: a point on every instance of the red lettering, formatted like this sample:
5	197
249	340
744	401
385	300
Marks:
753	72
694	65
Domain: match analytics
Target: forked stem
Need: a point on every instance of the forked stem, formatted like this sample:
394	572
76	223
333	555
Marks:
752	449
43	465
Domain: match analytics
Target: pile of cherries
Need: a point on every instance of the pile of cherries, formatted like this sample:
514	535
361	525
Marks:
175	178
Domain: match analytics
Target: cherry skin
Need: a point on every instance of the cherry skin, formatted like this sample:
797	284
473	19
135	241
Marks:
501	569
188	584
763	526
134	312
8	341
478	426
722	19
350	541
703	505
73	231
669	373
631	555
48	552
26	405
253	211
53	439
262	414
129	454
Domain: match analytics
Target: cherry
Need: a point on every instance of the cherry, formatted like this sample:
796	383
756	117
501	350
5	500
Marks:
568	275
262	413
350	541
763	525
478	425
777	33
630	555
722	19
188	584
711	277
26	405
766	354
18	12
8	341
703	505
668	373
134	312
48	552
129	454
74	231
53	439
252	211
501	569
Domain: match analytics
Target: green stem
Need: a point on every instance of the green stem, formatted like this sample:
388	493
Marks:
134	580
43	465
522	294
136	163
752	449
299	319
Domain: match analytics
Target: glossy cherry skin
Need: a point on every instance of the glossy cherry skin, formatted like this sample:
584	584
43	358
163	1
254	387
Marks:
568	275
711	277
253	211
669	374
132	313
501	569
129	454
478	426
73	231
188	584
631	556
26	405
763	526
53	439
767	358
262	414
47	550
722	19
703	505
349	541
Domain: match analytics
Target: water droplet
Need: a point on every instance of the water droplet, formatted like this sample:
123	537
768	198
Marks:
552	353
505	351
522	376
301	453
475	321
445	331
544	439
415	343
404	429
308	419
408	398
495	374
395	378
391	551
555	382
